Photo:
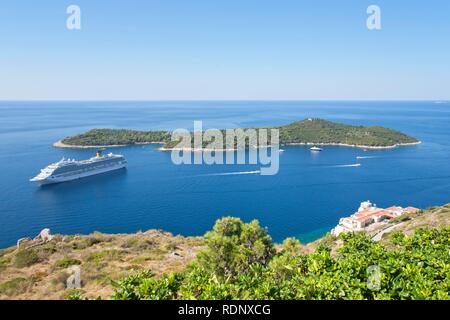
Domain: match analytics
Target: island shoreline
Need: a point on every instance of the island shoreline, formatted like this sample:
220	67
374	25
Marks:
60	144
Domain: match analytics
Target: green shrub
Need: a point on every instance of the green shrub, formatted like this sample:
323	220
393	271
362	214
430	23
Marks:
26	258
15	286
67	262
169	246
46	250
401	218
73	294
233	246
105	255
143	286
291	246
86	242
4	262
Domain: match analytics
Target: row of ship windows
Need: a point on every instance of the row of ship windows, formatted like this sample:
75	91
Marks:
87	169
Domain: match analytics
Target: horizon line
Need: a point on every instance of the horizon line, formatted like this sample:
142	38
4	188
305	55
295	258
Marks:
224	100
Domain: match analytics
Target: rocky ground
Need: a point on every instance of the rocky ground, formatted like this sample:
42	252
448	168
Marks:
40	272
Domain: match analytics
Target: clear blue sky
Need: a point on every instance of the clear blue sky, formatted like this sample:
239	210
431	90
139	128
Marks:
224	49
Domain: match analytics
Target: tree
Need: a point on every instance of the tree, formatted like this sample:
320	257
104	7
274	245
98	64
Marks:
233	246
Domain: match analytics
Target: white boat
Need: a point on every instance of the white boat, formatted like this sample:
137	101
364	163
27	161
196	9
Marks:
70	169
281	151
314	148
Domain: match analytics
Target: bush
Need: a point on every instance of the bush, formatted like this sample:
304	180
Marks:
46	250
105	255
73	294
401	218
87	242
234	246
129	288
26	258
15	286
67	262
169	246
291	246
4	262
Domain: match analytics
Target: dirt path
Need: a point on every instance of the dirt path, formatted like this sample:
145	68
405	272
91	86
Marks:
379	235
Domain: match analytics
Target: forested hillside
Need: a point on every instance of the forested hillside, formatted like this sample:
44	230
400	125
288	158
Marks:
315	131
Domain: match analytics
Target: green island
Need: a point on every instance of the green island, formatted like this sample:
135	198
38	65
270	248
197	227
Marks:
237	260
308	131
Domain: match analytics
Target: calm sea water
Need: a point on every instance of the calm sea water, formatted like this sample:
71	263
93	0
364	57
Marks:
305	199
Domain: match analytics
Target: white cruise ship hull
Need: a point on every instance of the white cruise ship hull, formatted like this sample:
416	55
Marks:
69	177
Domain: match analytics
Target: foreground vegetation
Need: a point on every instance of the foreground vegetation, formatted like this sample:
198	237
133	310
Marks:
307	131
237	260
240	263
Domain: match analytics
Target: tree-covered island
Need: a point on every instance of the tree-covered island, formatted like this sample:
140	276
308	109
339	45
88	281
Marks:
308	131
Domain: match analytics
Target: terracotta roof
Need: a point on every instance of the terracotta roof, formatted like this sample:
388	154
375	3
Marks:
384	213
366	212
394	208
363	218
370	213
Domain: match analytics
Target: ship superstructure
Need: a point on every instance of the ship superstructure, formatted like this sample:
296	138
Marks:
70	169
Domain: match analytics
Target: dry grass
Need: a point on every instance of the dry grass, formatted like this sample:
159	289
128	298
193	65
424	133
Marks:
434	217
41	272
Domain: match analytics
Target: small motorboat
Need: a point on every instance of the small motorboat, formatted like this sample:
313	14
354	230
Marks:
314	148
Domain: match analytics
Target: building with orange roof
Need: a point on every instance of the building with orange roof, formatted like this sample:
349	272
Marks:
368	214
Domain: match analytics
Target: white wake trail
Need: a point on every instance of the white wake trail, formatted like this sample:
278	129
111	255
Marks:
233	173
346	165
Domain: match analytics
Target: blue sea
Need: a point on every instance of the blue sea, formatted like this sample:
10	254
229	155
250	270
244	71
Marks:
304	200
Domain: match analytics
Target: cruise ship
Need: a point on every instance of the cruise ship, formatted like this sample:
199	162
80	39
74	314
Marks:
69	169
